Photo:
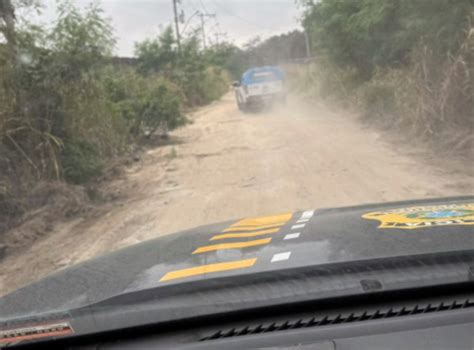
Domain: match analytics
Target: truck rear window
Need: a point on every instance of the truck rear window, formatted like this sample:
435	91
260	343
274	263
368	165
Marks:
264	76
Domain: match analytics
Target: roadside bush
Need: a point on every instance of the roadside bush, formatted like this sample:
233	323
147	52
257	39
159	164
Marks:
10	206
324	80
53	92
366	34
202	84
147	104
377	101
161	108
193	71
407	64
65	111
51	100
432	99
213	84
81	162
158	55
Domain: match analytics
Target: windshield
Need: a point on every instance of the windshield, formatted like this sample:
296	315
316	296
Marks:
261	75
127	124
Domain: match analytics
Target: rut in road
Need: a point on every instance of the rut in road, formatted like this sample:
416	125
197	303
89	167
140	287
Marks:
228	165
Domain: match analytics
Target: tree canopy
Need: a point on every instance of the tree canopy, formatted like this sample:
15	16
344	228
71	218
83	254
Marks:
369	33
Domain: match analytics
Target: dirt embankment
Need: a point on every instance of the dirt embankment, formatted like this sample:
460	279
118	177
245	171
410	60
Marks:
229	165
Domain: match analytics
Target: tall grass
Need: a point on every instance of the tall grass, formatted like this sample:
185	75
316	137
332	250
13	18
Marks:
433	98
65	112
430	98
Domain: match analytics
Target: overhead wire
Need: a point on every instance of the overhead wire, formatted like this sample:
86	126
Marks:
194	9
214	30
203	6
230	13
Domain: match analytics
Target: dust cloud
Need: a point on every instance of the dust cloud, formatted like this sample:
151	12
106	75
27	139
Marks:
227	165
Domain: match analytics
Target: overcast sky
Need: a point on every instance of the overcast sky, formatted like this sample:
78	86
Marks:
241	20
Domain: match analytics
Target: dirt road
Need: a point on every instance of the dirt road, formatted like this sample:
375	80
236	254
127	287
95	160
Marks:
229	165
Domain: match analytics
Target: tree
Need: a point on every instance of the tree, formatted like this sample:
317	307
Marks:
369	33
227	56
273	51
189	68
79	41
158	54
57	102
7	22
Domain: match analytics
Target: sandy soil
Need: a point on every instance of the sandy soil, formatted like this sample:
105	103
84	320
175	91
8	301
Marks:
228	165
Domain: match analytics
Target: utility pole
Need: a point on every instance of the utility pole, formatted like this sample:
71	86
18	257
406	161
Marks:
176	22
202	31
7	14
203	15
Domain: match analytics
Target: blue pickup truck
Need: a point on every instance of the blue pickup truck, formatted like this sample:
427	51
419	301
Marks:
260	87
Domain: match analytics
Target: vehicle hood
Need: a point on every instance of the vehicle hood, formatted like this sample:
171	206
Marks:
248	247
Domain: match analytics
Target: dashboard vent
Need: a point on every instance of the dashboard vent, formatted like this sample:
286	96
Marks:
342	318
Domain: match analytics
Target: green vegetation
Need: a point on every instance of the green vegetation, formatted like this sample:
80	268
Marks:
199	75
146	103
67	107
405	63
366	34
276	50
